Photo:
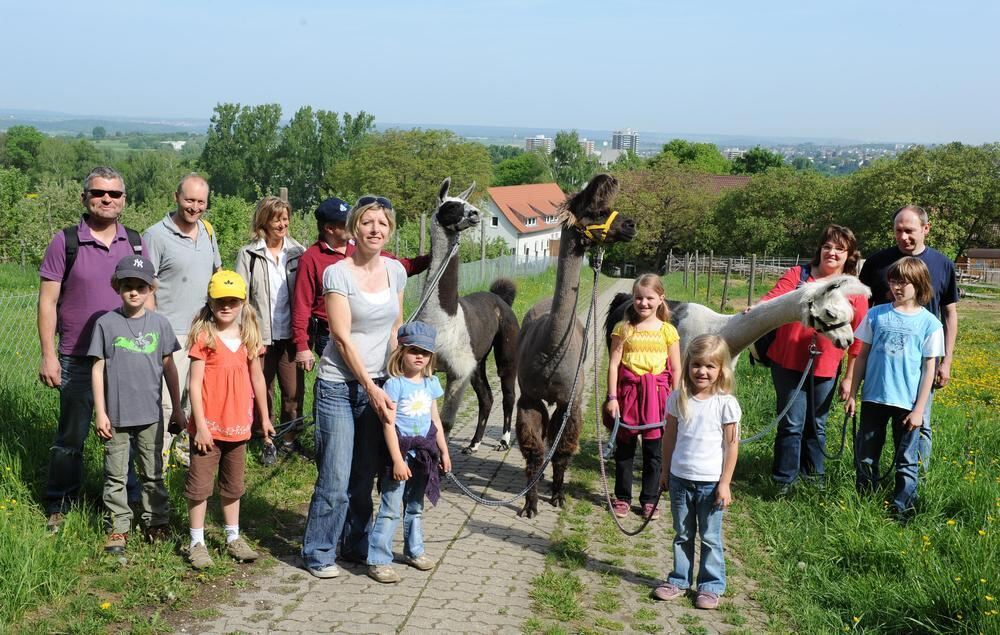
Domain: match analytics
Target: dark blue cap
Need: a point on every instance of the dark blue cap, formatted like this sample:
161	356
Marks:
332	210
419	334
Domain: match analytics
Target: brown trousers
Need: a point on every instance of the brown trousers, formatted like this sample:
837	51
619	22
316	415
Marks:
279	360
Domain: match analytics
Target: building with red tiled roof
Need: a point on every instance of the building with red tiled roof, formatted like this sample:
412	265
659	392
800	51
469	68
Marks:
526	217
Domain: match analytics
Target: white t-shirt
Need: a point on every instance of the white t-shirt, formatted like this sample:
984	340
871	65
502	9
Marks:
698	453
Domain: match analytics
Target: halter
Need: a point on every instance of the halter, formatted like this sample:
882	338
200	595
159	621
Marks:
601	227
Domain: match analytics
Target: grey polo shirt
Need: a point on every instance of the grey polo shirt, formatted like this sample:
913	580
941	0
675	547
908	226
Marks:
183	268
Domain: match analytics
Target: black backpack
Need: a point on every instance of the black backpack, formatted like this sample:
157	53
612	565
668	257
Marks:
73	246
758	350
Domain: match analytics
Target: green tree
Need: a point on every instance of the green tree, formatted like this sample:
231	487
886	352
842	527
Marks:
241	150
571	166
152	177
62	159
98	133
757	160
803	163
527	167
21	148
408	167
627	161
499	154
703	157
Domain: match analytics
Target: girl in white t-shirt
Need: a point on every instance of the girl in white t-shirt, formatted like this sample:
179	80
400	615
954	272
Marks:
700	446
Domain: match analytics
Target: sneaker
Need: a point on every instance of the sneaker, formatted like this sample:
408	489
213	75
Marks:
159	533
325	571
115	544
199	558
650	512
423	562
241	551
383	573
621	508
667	591
706	600
55	522
269	455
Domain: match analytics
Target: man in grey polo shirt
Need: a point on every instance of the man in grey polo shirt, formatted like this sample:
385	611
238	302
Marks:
185	254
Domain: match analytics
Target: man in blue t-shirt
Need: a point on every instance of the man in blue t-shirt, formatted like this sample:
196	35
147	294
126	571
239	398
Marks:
911	227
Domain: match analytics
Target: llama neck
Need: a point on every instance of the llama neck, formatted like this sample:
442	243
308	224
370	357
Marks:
743	329
446	294
567	293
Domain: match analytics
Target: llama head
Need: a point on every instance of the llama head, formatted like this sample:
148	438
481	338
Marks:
455	213
825	307
589	213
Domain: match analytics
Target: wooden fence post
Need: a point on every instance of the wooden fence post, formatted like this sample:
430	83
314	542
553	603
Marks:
694	291
711	263
687	265
725	285
753	274
283	193
670	261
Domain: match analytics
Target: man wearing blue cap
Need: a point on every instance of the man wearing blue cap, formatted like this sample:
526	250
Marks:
309	321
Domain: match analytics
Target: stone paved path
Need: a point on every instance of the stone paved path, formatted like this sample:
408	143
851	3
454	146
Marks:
487	556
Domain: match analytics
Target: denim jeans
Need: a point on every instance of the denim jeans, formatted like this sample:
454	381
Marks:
349	451
652	457
925	434
871	438
76	408
409	495
147	442
799	444
692	504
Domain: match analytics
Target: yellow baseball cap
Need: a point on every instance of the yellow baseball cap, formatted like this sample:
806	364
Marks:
227	284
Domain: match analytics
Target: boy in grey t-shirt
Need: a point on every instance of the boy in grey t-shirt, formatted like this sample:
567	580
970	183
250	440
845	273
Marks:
133	348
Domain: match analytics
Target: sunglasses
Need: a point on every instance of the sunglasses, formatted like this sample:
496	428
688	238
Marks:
368	200
101	193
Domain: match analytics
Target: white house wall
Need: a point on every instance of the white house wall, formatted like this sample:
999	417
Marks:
527	246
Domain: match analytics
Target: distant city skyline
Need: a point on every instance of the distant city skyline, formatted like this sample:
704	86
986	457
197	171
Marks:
889	71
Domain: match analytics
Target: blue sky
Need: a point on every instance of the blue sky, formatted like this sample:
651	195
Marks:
867	70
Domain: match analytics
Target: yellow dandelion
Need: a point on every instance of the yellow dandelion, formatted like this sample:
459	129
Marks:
13	501
989	598
951	522
982	532
958	578
856	619
105	606
982	580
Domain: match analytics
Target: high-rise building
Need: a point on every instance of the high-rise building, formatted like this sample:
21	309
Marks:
587	146
538	142
626	139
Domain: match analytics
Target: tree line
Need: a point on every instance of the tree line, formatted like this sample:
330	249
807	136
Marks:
675	196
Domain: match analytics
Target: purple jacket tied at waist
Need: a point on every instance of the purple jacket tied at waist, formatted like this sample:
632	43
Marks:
425	461
642	399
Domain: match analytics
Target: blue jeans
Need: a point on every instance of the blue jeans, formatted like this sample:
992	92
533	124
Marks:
410	495
799	444
76	408
692	504
349	453
871	438
925	434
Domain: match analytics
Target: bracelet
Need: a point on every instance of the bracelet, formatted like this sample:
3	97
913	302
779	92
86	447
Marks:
612	398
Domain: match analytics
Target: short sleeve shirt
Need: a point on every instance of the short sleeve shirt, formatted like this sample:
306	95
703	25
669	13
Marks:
226	393
414	401
646	351
698	454
942	271
372	318
899	343
133	350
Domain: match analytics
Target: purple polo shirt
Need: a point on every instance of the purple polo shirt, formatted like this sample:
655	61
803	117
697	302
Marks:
87	293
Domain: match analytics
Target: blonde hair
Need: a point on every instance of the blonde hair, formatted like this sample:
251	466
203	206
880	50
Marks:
267	209
913	270
706	348
395	364
354	218
645	281
204	324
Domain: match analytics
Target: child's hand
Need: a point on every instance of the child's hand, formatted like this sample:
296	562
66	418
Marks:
664	481
445	463
611	407
723	496
401	471
178	422
913	420
103	425
849	406
268	430
203	440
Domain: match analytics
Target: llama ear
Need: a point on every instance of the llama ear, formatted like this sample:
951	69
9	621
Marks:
468	192
445	184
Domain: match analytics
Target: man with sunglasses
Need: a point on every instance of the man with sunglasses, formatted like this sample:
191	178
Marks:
309	321
185	254
74	291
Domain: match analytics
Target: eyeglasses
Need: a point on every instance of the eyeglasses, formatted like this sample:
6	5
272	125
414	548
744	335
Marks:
898	283
368	200
101	193
834	249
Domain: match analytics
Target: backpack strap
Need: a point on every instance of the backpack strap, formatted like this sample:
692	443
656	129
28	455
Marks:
211	232
804	272
72	236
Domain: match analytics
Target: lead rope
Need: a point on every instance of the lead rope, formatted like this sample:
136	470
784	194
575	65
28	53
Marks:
432	284
813	353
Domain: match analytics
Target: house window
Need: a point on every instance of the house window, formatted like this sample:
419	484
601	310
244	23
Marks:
550	219
529	222
494	222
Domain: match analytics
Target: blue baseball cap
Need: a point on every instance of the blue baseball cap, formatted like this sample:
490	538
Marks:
418	334
332	210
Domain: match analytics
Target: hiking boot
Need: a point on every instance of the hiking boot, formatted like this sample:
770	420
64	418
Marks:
423	562
159	533
55	522
667	591
383	573
650	512
115	544
324	572
199	558
621	508
241	551
706	600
